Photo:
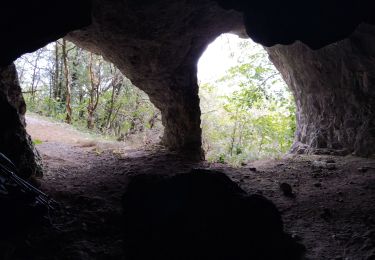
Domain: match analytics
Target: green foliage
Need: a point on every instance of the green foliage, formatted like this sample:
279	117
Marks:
249	113
37	141
122	109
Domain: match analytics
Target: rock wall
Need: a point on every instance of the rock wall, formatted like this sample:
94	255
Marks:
157	45
334	92
14	141
158	51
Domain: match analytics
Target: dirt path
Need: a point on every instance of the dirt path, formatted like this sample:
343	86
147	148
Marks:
333	213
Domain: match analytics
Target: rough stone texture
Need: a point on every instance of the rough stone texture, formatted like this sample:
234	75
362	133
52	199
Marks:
157	45
269	22
334	91
14	141
158	52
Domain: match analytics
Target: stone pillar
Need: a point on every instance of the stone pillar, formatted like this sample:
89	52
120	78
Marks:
180	111
14	141
175	94
157	46
334	89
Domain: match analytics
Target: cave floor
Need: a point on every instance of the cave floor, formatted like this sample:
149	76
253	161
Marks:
332	214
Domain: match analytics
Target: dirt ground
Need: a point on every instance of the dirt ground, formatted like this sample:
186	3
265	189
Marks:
332	213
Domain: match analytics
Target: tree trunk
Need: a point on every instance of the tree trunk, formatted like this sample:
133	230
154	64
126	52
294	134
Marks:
68	93
56	76
116	83
34	76
94	93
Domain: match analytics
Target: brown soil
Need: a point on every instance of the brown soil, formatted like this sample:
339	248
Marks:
332	214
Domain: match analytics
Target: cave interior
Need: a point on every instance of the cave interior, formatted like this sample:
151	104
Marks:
325	52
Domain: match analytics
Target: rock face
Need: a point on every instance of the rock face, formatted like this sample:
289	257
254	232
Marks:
158	52
158	43
15	143
315	23
201	215
268	22
334	91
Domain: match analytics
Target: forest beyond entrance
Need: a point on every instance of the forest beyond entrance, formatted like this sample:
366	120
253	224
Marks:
248	112
332	212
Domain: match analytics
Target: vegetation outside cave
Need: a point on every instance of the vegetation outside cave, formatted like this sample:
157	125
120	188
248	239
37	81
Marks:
70	84
248	112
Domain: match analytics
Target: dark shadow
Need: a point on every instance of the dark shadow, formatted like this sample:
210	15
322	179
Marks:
201	215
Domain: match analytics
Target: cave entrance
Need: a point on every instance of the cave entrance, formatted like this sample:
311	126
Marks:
78	98
247	110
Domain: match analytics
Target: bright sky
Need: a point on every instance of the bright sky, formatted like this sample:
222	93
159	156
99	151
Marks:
219	56
224	53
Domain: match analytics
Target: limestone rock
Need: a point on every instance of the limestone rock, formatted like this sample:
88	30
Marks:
14	141
334	92
158	52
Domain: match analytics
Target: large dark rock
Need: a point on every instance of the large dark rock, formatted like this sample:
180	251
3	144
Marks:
334	92
14	141
201	215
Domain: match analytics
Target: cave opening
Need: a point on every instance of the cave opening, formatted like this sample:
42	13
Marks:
247	109
68	84
325	198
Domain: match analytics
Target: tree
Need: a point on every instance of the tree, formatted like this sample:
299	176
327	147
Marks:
68	83
95	80
255	117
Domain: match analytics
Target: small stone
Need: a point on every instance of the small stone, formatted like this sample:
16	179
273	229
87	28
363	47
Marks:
318	164
326	214
287	189
331	166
